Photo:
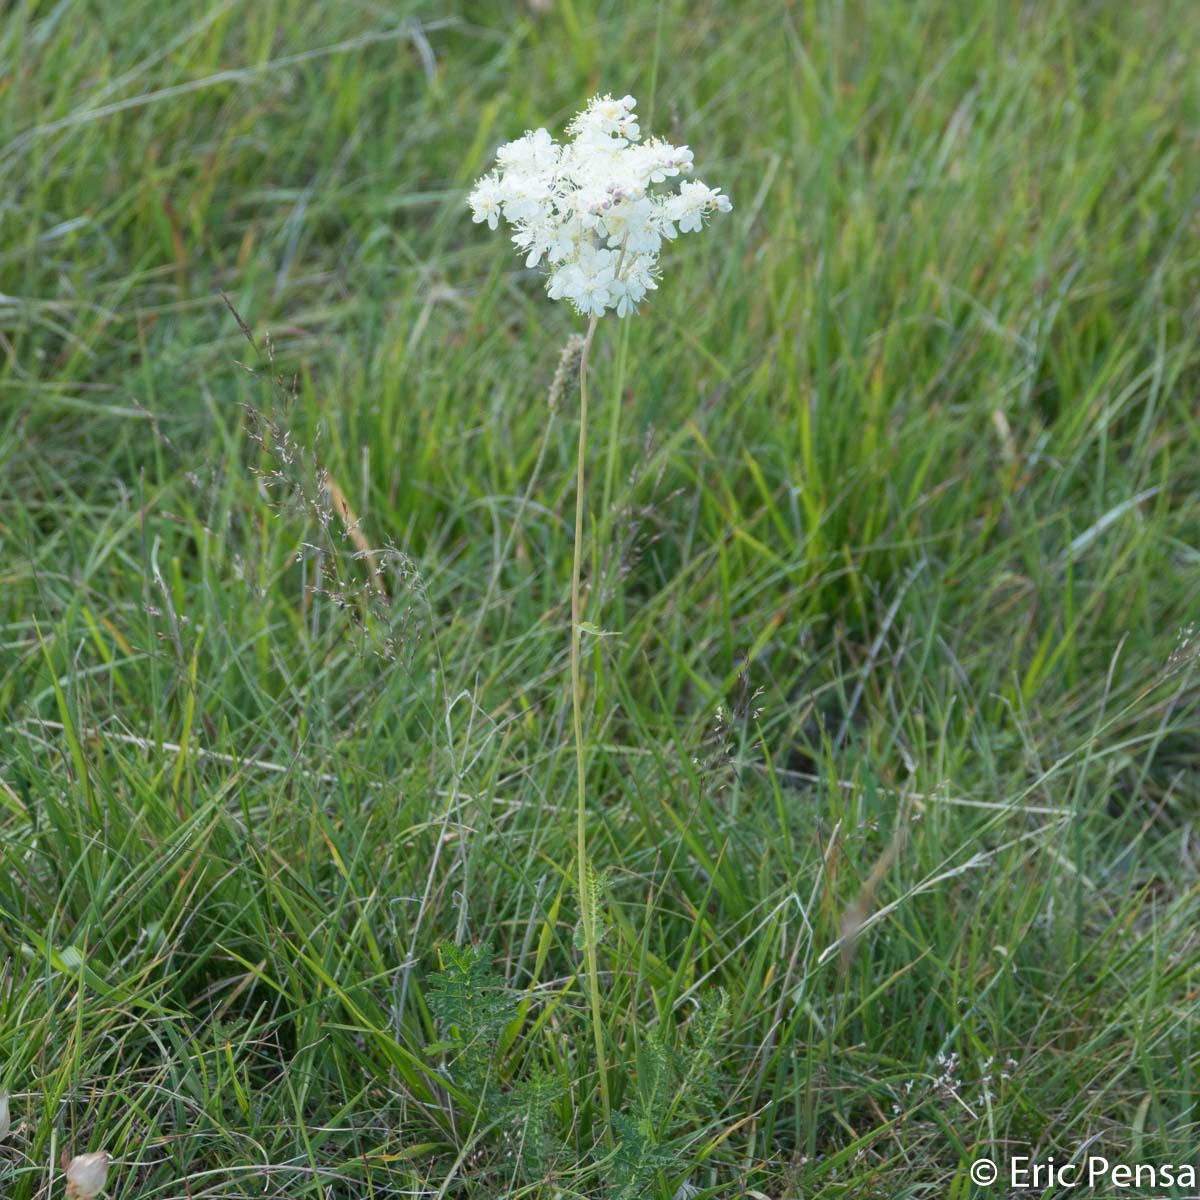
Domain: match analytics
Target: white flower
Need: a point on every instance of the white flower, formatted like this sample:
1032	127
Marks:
87	1175
526	199
636	280
561	282
661	160
588	210
605	116
485	201
628	224
529	154
589	282
695	201
594	294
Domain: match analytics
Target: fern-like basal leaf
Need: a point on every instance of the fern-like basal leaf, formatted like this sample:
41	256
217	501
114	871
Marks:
700	1085
527	1122
467	997
472	1004
638	1159
656	1069
597	885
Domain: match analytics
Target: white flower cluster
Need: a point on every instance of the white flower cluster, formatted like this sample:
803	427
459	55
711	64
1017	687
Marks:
587	209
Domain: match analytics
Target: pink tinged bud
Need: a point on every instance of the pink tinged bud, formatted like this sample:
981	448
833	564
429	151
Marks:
87	1175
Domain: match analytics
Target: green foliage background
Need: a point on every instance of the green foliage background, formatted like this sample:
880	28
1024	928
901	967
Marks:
893	504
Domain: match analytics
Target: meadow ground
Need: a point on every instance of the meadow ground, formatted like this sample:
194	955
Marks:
893	506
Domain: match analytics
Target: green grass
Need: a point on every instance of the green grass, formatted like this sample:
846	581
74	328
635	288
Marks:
893	501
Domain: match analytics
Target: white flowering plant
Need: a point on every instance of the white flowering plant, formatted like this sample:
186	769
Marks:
593	211
595	214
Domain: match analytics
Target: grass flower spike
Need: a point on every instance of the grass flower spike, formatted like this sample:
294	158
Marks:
588	210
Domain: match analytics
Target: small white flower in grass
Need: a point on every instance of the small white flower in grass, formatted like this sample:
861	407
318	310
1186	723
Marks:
87	1175
588	210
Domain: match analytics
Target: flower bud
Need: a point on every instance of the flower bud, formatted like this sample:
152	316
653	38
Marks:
5	1116
87	1175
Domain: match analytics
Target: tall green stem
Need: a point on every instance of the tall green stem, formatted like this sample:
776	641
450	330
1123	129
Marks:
586	915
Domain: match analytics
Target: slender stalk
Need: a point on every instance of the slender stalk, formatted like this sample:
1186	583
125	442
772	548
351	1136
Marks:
586	915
